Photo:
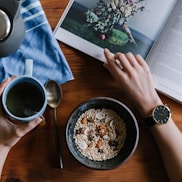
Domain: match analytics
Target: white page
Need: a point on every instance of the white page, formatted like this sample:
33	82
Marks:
165	60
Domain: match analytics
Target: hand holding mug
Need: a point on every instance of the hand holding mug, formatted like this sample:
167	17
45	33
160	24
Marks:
24	98
10	133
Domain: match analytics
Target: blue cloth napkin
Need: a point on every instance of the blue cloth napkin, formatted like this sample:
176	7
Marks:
40	45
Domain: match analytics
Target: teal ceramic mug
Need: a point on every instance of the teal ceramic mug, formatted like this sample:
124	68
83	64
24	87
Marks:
24	98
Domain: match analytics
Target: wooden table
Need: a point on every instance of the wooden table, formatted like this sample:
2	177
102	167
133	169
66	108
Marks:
33	158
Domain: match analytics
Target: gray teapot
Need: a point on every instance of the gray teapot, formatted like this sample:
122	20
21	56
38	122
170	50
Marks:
12	28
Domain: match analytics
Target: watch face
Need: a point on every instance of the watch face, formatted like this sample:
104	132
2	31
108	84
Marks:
161	114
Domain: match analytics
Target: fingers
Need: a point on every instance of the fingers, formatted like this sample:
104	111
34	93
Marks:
110	60
142	62
125	61
108	55
27	127
4	83
119	62
129	61
113	66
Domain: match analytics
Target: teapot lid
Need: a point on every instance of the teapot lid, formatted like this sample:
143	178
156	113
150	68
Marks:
5	25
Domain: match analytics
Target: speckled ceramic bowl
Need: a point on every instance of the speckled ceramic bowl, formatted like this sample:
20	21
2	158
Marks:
132	135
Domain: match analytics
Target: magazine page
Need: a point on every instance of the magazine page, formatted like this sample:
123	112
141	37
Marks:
119	25
165	60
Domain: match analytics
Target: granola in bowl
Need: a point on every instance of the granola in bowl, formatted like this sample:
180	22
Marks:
99	134
102	133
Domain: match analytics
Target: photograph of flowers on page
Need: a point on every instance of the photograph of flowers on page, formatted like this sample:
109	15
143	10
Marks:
119	25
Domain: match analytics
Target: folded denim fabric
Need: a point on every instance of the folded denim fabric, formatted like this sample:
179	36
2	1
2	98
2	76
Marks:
40	45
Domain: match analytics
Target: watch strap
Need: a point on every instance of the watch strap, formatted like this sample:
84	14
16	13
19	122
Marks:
149	121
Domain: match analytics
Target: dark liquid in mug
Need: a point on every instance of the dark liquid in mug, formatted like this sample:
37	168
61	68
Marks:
24	100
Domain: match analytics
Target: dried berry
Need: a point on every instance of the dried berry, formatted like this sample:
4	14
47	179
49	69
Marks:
101	151
91	120
90	137
80	131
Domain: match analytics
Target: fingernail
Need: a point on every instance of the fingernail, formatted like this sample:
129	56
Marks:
106	49
42	122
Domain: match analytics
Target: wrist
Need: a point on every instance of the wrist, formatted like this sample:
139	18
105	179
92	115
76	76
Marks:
149	105
4	148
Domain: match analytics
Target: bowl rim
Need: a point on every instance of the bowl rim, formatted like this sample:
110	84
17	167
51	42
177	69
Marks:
134	121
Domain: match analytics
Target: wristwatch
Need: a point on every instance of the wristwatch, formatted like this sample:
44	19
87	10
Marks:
160	115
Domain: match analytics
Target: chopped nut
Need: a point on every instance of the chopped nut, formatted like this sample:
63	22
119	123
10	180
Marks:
99	143
90	145
102	129
84	121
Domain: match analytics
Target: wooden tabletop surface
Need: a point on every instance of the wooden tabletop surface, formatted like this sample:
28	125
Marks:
33	159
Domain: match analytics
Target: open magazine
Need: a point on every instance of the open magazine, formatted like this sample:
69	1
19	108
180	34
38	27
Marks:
151	28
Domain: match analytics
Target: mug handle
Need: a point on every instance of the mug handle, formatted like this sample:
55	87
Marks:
28	67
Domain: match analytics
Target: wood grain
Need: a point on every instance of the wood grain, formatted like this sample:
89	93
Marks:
33	158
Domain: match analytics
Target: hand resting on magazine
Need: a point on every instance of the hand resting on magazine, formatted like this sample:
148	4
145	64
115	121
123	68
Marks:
136	81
